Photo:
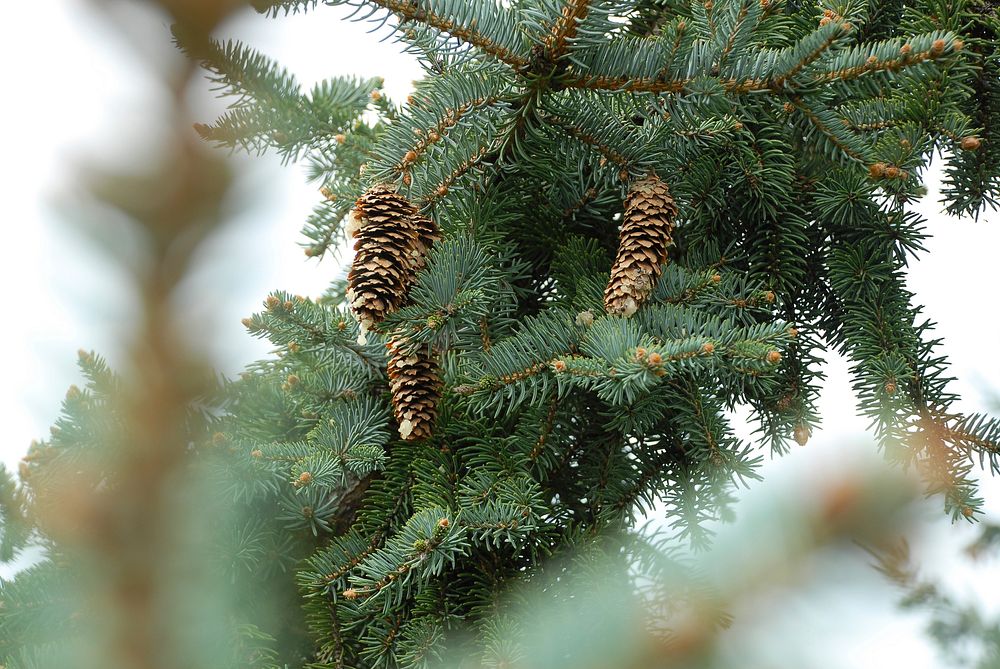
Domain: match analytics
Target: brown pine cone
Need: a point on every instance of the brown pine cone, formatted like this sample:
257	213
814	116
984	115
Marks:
392	243
646	234
415	382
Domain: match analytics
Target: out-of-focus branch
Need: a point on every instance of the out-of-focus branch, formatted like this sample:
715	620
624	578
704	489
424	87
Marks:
113	509
589	615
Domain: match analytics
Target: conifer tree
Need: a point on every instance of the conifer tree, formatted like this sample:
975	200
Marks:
594	229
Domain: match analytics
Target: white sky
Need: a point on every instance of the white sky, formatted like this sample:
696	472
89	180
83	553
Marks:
72	91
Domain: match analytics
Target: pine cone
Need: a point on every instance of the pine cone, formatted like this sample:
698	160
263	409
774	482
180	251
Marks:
646	234
415	382
392	243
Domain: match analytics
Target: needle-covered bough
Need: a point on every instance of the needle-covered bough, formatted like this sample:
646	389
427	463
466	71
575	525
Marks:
593	231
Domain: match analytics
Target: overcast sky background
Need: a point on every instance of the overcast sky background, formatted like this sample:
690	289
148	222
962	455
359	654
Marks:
74	92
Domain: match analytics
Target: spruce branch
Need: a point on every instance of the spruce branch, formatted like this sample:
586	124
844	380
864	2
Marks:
428	542
479	159
452	113
890	56
269	109
831	129
739	26
791	152
586	198
546	430
290	319
807	51
584	137
437	132
487	26
15	528
564	30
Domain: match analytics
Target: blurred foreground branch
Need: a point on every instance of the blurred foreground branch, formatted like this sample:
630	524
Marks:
111	494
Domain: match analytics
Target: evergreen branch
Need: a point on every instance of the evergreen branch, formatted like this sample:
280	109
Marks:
484	334
642	491
500	508
355	559
15	528
972	178
441	189
956	129
875	113
421	549
630	58
420	642
329	567
941	464
269	110
588	196
36	607
891	56
808	50
240	71
466	22
382	637
829	126
546	430
900	384
564	29
295	320
583	136
305	124
978	433
649	17
447	115
628	84
461	288
737	35
498	382
440	130
526	354
324	223
774	72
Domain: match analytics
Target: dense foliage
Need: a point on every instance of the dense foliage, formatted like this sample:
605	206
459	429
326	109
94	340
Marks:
792	137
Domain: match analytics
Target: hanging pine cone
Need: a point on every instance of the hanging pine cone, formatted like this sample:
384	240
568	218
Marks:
646	234
415	382
392	243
